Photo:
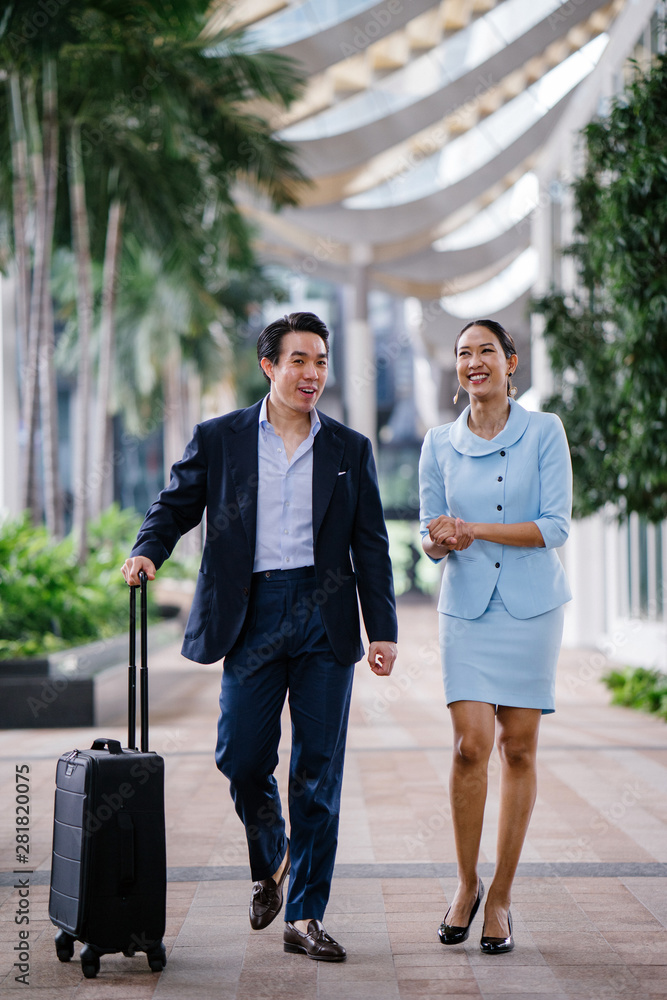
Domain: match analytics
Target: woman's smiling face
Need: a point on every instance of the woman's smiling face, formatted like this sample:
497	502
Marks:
481	365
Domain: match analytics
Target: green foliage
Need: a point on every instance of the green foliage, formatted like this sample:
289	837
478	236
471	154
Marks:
639	688
173	122
48	601
608	345
411	566
166	117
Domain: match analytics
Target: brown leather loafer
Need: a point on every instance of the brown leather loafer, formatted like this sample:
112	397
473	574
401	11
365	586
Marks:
266	901
315	944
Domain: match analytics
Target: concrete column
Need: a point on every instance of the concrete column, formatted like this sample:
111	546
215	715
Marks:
10	496
359	353
584	559
542	239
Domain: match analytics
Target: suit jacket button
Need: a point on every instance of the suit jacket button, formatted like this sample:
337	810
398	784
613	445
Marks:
497	565
500	506
245	591
502	454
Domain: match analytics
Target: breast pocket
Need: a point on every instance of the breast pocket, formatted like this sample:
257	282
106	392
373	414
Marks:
344	485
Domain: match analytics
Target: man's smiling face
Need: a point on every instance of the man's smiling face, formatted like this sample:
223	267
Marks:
300	374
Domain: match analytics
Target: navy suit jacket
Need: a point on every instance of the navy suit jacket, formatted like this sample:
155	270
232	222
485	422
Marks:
219	474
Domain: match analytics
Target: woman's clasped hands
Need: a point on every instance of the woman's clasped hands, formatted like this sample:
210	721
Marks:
452	532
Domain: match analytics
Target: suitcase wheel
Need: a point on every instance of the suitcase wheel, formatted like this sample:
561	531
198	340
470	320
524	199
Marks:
90	961
130	951
64	946
157	958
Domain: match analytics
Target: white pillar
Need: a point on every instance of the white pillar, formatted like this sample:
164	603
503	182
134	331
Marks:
359	349
585	552
543	240
10	498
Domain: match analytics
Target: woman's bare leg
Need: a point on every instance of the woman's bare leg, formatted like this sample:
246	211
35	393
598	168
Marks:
516	738
474	729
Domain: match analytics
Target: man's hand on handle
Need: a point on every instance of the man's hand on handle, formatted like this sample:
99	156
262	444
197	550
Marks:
131	568
382	656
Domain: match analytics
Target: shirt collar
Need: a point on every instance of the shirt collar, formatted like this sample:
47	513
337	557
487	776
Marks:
264	421
465	442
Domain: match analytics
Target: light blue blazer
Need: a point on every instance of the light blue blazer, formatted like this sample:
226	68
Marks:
523	474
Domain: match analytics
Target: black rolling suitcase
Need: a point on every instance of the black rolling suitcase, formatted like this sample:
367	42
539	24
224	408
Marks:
109	867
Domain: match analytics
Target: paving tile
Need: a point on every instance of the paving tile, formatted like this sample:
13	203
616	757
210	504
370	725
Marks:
571	949
638	954
529	995
601	981
516	980
357	990
107	990
432	972
356	972
416	990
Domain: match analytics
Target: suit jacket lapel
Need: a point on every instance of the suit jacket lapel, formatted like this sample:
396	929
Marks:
327	457
244	466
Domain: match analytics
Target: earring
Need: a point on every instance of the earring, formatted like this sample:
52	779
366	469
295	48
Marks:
456	397
512	389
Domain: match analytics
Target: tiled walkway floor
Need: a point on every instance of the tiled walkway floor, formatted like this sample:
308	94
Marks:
590	901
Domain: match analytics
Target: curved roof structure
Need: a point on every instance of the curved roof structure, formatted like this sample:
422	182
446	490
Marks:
421	126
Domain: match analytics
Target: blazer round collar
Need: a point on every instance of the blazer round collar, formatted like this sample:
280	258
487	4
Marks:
465	442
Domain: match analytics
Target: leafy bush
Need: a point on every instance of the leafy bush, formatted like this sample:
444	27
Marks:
639	688
607	342
47	601
411	566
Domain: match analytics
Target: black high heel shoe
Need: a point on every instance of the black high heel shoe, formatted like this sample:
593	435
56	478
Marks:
450	934
498	945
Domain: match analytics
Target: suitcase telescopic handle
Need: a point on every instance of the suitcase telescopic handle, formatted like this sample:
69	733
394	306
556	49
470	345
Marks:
132	668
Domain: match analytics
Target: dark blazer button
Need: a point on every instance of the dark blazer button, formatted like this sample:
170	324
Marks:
500	506
245	591
500	479
502	454
497	565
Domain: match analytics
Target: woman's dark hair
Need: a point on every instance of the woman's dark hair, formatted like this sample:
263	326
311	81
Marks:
270	339
503	337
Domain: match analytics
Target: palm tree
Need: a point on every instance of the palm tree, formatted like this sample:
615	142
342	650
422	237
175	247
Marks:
33	186
158	132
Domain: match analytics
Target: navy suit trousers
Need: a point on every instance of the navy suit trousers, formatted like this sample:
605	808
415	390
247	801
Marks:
283	651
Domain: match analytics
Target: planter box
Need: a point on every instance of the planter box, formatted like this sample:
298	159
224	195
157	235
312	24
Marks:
37	667
71	687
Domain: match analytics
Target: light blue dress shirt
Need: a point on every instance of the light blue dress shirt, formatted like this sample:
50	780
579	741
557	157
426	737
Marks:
284	499
523	474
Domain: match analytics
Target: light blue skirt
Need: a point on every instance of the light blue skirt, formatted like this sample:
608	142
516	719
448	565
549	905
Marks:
502	660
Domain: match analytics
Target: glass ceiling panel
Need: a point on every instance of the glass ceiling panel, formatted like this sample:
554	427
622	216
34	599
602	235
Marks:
499	292
481	144
508	210
302	20
427	74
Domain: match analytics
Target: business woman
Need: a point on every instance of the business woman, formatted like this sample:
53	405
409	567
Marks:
496	496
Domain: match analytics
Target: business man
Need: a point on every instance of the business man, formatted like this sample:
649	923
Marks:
295	531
